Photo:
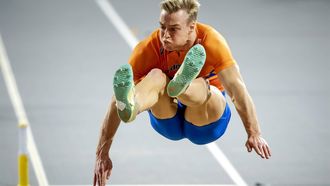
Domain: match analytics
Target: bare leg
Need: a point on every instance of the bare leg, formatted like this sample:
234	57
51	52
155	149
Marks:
165	107
150	94
201	108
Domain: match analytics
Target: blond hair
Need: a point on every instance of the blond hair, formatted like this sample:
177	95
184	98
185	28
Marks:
191	6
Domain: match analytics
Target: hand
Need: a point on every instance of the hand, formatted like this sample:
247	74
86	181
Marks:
259	144
102	171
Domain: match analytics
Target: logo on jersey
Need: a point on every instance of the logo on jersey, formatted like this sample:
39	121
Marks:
172	69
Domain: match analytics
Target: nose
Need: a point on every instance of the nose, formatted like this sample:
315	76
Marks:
166	34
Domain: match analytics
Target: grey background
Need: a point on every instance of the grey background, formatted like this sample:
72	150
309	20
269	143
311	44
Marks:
64	54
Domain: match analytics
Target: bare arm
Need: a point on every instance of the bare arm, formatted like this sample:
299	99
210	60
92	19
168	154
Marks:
236	89
108	129
103	164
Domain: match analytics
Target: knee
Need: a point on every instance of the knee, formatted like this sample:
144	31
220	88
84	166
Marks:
156	73
158	77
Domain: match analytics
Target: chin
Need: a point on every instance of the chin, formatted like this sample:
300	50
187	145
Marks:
168	48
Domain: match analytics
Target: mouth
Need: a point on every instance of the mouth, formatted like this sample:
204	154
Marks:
167	43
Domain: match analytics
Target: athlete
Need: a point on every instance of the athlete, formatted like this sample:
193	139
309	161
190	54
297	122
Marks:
180	75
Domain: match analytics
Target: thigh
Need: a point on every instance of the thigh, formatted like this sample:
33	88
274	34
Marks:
208	133
208	112
171	128
165	107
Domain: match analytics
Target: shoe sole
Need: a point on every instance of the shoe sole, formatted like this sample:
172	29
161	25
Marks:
188	71
123	86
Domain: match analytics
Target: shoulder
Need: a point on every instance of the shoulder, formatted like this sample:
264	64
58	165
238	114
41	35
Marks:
209	35
203	28
216	47
145	54
148	46
206	30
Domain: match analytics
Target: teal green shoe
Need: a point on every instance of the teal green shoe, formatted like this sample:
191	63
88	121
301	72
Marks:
123	86
188	71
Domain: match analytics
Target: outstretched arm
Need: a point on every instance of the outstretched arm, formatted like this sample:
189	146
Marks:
103	164
236	89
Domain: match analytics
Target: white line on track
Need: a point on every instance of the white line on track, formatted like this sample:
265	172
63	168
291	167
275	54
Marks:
111	14
21	114
225	163
132	41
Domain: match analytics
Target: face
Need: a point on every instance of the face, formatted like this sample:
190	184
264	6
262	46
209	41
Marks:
175	30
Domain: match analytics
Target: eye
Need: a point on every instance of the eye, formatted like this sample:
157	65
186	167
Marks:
173	29
162	27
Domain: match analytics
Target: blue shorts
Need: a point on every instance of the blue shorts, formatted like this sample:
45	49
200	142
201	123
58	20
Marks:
177	128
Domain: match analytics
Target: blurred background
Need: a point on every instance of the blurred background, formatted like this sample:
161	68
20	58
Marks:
64	53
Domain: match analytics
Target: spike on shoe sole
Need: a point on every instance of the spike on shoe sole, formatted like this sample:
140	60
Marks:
188	71
123	86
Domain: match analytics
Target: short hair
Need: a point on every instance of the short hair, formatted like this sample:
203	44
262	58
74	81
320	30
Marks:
191	6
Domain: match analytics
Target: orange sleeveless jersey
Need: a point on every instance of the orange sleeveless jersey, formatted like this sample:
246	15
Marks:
149	54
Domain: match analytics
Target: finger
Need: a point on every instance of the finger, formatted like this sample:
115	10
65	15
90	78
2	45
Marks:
104	177
268	150
94	182
260	147
108	175
265	151
97	174
249	149
258	151
100	178
262	152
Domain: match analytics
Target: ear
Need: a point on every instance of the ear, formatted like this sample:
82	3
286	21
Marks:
192	26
